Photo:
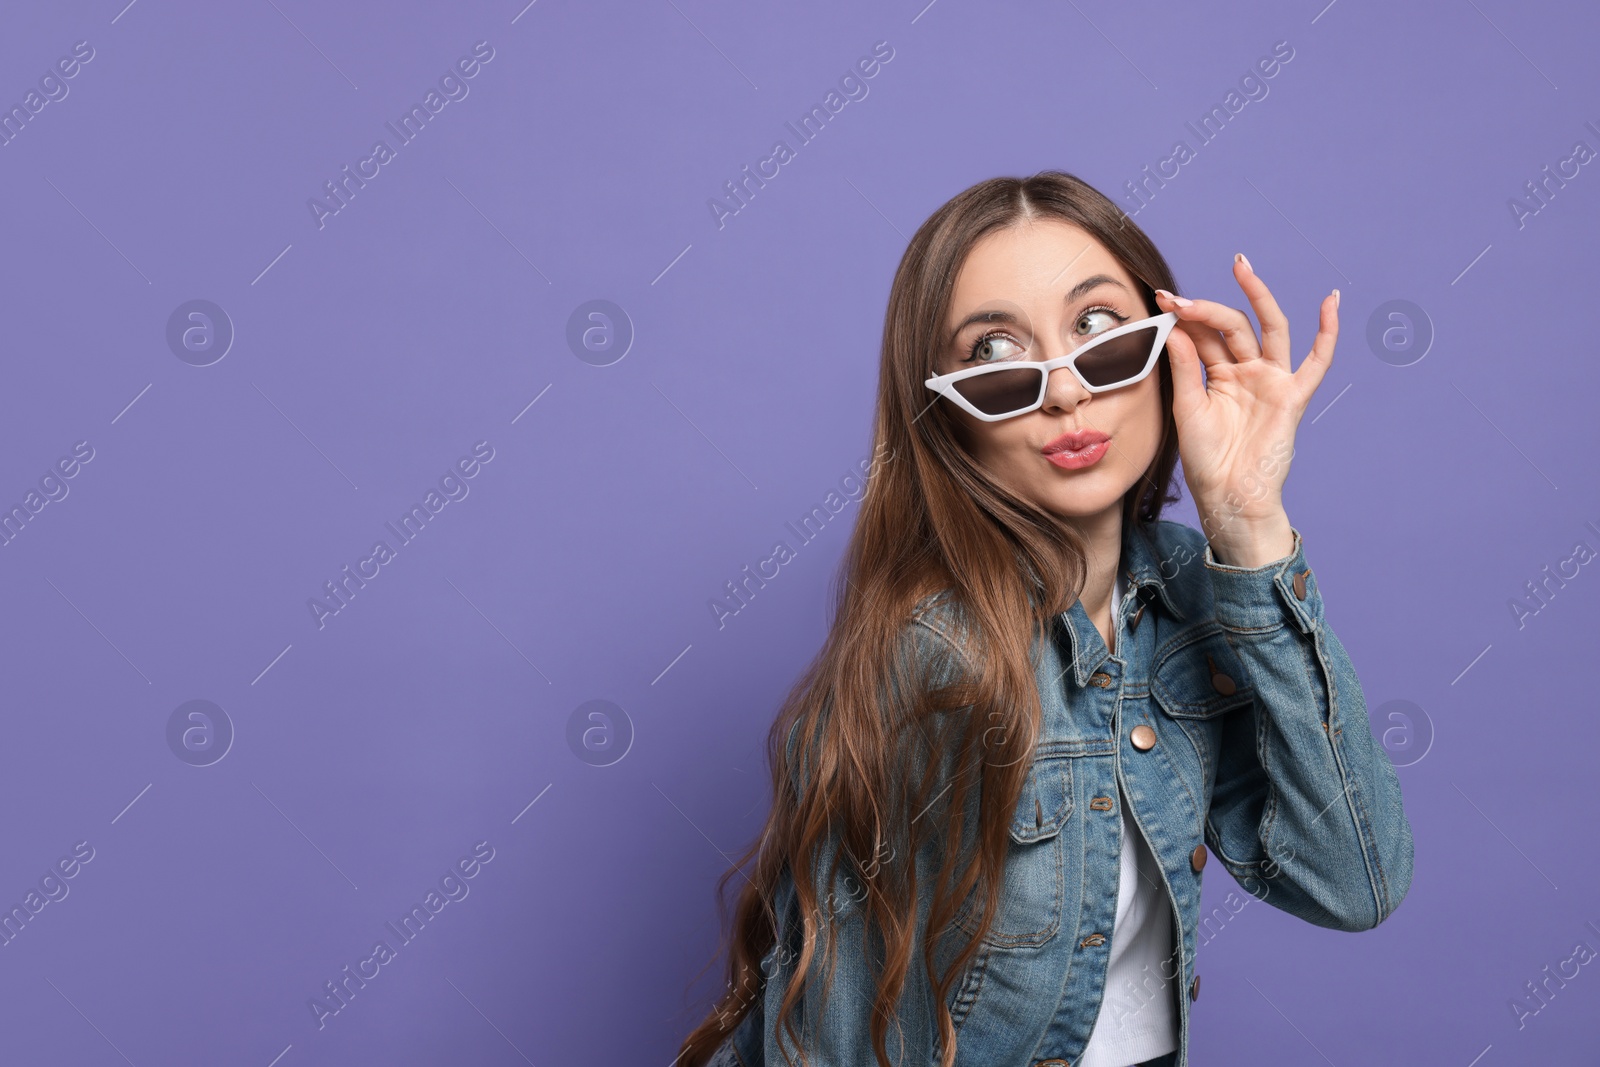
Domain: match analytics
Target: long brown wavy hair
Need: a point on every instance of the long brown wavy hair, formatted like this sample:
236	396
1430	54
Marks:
930	519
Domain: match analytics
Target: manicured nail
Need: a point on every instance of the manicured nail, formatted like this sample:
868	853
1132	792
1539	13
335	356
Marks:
1182	302
1238	257
1336	298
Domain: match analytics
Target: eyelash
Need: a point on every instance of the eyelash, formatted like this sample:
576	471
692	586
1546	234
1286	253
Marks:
972	351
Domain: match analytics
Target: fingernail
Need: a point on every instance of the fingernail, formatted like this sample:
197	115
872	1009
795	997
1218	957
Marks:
1238	257
1181	301
1336	298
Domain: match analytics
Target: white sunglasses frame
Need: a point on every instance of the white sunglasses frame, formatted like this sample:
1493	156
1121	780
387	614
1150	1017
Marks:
944	384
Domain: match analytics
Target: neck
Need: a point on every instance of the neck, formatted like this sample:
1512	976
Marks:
1102	536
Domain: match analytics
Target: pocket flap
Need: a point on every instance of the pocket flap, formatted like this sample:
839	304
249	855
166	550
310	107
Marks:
1046	800
1201	676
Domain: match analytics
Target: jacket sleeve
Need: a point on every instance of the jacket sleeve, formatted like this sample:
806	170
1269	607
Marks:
1306	810
837	1032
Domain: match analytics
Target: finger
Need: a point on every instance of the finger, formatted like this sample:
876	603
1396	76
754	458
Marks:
1317	361
1209	346
1234	325
1188	383
1274	324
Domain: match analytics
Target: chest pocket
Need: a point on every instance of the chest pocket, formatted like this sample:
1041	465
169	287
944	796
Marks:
1200	676
1029	912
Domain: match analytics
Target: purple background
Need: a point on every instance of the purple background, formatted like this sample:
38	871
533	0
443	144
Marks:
433	309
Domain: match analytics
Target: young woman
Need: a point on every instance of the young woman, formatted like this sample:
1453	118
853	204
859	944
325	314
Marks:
1039	703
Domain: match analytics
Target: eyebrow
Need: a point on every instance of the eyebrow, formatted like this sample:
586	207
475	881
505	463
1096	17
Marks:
1094	281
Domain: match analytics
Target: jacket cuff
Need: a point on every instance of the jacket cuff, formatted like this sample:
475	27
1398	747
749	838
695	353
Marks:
1265	597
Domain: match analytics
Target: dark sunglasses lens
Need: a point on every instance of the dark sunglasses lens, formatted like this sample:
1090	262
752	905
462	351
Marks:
1001	391
1118	359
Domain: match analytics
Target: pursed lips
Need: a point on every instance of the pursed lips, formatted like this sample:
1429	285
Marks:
1076	441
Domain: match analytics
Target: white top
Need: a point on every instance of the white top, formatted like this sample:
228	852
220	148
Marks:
1138	1019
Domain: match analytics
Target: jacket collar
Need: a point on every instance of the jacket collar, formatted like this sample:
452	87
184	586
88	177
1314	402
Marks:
1144	565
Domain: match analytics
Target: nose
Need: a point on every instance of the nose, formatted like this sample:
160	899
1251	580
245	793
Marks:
1063	392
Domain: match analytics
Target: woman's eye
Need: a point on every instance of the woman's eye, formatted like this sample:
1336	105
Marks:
1106	316
993	349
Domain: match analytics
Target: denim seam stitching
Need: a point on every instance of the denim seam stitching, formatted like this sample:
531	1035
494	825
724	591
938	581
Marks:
1194	801
1269	814
967	999
1252	630
1377	878
1052	930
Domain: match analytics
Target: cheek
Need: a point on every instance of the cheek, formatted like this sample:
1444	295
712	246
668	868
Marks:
1141	424
993	445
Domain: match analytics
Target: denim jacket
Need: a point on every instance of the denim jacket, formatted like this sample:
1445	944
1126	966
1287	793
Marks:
1233	722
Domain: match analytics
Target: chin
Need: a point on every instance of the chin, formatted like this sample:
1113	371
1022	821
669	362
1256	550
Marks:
1081	497
1066	511
1078	505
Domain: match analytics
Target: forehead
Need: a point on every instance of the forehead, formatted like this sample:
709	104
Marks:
1030	261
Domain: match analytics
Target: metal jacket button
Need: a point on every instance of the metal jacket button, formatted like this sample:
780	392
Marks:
1052	1063
1300	583
1197	858
1100	678
1143	737
1194	988
1219	681
1092	941
1133	623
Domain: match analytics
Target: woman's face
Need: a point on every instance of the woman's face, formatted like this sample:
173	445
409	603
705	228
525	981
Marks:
1036	290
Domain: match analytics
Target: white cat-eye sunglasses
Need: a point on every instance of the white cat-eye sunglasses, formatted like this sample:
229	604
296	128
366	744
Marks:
1009	388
